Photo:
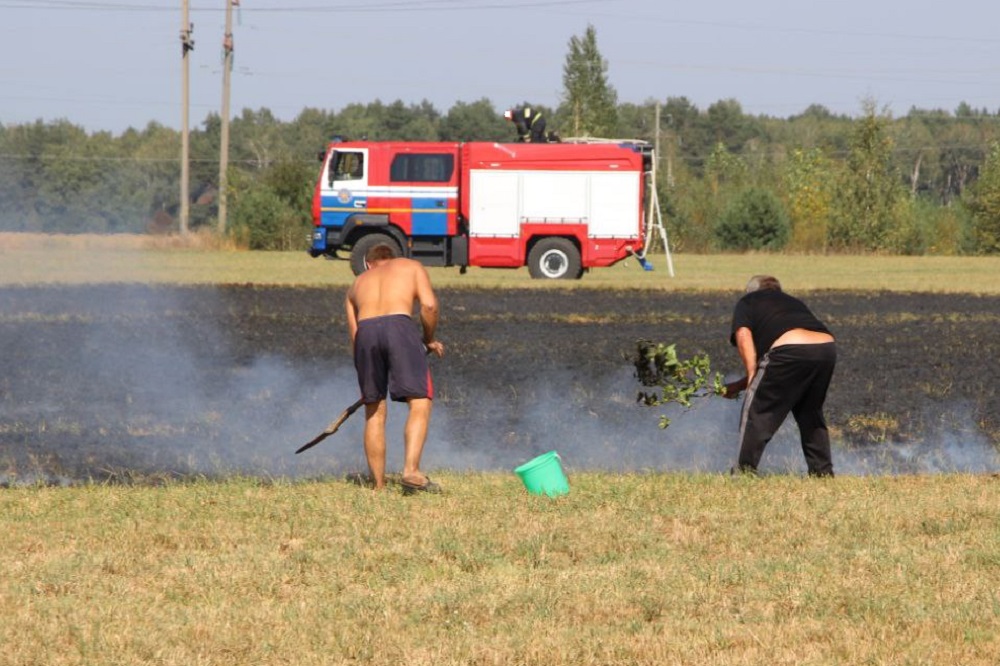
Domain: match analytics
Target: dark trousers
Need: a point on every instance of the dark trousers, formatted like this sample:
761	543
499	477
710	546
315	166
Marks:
790	378
538	131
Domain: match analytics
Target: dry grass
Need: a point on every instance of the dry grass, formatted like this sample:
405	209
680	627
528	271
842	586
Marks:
627	569
37	258
633	569
201	239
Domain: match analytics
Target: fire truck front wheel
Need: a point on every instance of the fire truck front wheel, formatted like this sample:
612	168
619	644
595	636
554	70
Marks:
555	259
367	242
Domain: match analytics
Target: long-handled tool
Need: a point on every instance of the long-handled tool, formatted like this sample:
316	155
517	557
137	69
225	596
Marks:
335	425
332	428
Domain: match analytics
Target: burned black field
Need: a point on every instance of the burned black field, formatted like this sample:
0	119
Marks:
127	382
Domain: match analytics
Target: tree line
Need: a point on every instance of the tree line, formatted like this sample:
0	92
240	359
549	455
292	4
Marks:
927	182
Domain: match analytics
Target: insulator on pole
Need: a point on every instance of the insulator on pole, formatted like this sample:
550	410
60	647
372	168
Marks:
187	43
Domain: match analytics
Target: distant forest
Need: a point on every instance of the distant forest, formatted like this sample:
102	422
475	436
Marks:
924	183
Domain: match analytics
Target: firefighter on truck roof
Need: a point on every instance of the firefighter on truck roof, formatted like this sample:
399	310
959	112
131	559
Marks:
530	124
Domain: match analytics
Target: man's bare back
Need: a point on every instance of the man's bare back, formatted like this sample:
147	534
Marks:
390	287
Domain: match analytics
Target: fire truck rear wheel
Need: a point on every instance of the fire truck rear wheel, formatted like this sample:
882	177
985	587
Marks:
554	259
367	242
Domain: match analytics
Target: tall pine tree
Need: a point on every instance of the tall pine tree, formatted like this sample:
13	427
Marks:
983	199
866	197
588	100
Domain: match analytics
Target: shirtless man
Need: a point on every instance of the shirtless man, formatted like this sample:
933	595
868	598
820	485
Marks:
789	356
390	357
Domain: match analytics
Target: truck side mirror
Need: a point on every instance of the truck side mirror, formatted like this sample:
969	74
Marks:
322	156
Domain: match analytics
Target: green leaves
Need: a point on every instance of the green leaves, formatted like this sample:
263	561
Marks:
673	379
588	99
271	206
983	199
754	220
865	201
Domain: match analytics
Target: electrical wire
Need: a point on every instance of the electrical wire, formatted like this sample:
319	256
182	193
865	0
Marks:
353	8
473	5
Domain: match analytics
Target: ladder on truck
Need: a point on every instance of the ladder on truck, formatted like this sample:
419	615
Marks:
654	217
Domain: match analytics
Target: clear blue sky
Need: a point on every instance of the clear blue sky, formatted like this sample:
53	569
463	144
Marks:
114	64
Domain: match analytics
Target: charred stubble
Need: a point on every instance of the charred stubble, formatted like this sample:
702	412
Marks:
106	381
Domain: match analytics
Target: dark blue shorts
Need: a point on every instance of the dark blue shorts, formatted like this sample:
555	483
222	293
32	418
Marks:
390	359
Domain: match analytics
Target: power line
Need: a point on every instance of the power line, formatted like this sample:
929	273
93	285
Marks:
81	5
872	74
647	19
352	8
474	5
431	6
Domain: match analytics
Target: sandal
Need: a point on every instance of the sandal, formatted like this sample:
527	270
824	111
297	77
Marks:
428	486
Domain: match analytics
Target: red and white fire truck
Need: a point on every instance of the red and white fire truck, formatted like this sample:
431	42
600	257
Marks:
558	208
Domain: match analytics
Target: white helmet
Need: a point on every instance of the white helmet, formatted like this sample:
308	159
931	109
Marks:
508	114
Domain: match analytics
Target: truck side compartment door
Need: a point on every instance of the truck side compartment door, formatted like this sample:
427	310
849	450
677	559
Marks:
495	218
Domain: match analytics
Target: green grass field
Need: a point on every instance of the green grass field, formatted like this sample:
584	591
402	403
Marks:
35	258
626	569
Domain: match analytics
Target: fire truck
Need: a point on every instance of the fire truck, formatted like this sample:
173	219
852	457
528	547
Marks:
557	208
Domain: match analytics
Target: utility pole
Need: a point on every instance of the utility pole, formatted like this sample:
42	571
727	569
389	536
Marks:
187	45
656	140
670	152
227	70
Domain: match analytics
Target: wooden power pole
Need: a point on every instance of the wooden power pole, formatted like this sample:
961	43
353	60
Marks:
187	45
656	140
227	71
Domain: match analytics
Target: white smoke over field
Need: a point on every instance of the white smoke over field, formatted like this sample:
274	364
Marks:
607	430
109	381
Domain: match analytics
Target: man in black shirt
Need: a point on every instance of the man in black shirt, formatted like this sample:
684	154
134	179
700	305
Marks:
789	356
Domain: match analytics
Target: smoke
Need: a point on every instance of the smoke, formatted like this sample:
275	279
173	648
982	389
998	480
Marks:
247	419
120	381
604	429
955	445
595	427
155	398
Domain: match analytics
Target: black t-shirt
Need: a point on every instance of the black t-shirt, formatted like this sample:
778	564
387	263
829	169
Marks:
769	314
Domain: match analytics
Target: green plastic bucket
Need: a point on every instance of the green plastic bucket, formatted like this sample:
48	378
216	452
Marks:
544	475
